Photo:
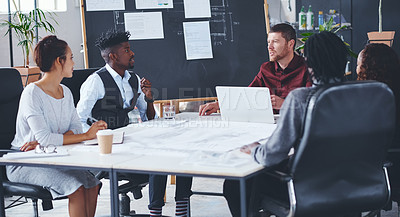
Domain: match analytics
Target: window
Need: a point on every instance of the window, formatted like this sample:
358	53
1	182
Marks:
27	5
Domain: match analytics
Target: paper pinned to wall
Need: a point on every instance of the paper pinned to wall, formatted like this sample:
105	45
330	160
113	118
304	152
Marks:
197	8
105	5
148	25
197	40
154	4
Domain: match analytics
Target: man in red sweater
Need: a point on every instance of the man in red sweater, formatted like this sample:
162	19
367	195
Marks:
284	72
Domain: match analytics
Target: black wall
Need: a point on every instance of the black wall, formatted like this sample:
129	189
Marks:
365	19
237	55
238	38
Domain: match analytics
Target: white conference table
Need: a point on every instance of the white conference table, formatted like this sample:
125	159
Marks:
188	146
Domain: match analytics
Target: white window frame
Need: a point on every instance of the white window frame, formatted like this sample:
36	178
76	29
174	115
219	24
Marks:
18	2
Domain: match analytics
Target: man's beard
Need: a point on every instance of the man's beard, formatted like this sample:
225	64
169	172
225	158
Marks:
280	56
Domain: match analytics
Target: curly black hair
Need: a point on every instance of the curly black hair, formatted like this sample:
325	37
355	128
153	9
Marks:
111	38
379	62
326	55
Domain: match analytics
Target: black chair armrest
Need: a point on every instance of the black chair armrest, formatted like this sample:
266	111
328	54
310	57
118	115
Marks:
5	151
9	150
26	190
279	175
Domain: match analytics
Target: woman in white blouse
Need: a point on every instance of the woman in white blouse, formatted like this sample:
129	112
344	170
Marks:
47	116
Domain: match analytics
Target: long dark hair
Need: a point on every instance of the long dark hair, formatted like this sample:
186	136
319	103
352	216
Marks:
326	55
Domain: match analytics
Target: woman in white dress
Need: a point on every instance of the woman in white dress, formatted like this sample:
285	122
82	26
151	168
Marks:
47	116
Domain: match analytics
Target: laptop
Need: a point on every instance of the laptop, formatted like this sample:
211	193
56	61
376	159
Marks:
245	104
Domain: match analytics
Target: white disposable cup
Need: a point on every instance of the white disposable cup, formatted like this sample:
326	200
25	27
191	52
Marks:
169	111
105	140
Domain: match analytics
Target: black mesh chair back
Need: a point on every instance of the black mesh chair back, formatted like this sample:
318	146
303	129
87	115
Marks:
74	84
338	165
10	89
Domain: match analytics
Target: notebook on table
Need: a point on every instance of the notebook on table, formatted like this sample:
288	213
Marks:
118	138
245	104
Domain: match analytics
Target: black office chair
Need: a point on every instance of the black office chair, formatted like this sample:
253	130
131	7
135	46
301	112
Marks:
135	182
393	158
338	167
11	89
74	84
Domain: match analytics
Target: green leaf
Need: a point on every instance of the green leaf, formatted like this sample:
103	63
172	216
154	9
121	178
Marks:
352	54
329	24
300	47
337	30
304	39
307	34
24	25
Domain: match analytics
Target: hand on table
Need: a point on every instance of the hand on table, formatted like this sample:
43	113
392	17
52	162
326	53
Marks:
276	101
247	148
208	108
96	126
29	146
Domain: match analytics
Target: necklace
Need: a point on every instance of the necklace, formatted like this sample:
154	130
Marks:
57	118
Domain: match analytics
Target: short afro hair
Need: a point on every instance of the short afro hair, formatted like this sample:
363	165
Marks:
111	38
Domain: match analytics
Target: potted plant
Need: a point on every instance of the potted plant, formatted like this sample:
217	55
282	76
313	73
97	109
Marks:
327	26
24	26
385	37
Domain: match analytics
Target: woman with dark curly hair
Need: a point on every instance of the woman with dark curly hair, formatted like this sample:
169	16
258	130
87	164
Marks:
381	63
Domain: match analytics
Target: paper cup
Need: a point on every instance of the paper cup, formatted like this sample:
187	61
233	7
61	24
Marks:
105	140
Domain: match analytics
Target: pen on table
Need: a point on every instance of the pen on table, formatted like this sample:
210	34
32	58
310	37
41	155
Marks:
92	119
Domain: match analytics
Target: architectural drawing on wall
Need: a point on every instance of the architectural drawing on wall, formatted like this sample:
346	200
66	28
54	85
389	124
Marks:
222	21
145	25
119	22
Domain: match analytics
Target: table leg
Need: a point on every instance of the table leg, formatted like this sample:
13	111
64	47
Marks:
2	209
114	194
243	197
